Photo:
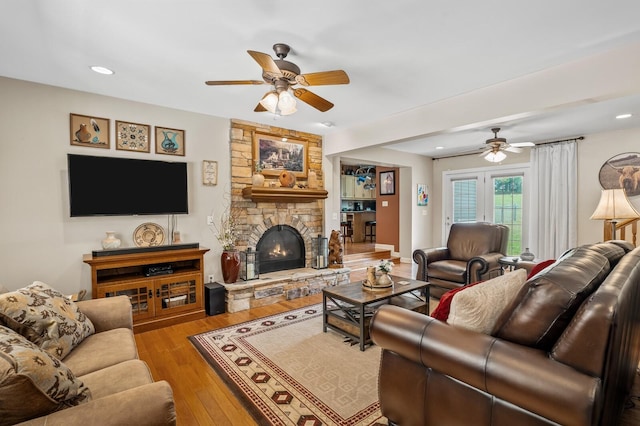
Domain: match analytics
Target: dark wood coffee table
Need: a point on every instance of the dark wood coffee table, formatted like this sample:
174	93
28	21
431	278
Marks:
353	305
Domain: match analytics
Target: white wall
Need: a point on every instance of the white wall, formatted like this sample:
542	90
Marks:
593	151
38	239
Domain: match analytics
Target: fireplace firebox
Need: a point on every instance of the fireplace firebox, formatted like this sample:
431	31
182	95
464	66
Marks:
281	247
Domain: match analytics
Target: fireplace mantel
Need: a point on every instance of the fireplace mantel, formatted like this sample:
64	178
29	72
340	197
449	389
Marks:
283	195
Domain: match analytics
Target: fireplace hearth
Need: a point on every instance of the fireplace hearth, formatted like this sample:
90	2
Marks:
281	247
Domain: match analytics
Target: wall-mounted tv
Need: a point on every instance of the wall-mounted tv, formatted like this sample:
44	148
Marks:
111	186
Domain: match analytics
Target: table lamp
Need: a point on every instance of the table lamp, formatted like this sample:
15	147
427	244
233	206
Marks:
614	205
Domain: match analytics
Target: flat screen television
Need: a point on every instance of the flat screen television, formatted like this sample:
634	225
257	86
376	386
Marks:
111	186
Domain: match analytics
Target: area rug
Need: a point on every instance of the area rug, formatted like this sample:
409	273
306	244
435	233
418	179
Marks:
287	371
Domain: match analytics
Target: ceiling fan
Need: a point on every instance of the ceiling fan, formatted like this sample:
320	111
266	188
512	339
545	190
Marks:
283	75
494	153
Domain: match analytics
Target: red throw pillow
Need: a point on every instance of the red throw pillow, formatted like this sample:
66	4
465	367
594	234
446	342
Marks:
441	312
539	267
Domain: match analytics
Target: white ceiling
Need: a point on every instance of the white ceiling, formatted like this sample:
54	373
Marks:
399	55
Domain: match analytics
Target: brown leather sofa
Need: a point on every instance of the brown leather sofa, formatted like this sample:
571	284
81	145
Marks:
565	351
471	254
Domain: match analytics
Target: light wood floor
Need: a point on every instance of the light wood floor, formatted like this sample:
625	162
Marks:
201	397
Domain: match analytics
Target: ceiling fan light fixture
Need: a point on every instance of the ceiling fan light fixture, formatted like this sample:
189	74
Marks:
270	102
286	103
495	157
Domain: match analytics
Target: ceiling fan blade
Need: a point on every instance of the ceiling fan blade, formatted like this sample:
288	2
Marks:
483	153
230	82
265	61
513	149
323	78
312	99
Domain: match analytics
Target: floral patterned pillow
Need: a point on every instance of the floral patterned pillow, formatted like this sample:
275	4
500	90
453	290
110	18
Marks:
45	317
33	382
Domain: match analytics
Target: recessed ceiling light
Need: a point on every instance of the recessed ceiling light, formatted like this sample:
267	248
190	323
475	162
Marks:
439	147
328	124
284	139
621	116
101	70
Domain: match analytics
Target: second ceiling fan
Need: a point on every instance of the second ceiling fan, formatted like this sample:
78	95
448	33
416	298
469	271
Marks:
494	153
283	75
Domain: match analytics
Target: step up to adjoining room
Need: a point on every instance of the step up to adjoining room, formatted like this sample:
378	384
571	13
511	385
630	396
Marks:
358	261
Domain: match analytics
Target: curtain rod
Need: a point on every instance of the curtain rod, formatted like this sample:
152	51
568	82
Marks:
579	138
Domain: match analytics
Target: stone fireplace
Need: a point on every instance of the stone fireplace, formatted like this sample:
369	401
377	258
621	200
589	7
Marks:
266	225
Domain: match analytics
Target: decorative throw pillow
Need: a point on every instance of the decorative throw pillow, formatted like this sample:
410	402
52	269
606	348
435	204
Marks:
441	312
478	308
45	317
33	382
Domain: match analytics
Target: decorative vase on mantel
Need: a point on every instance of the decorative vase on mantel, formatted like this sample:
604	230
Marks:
111	242
257	180
230	262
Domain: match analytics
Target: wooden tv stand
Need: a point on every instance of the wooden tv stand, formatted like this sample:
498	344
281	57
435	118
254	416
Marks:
157	300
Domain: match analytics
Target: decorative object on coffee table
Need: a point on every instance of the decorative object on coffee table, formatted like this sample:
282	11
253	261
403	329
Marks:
383	280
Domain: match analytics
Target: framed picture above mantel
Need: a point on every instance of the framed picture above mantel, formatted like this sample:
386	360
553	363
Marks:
276	154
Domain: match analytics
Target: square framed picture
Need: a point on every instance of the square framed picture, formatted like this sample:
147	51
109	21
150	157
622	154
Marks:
89	131
169	141
209	172
423	194
276	154
133	136
388	183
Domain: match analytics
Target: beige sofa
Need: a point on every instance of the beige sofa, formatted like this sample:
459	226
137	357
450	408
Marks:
120	391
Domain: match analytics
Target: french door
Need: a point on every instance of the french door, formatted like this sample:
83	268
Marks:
495	194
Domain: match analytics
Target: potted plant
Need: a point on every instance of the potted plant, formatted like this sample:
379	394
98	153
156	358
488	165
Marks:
385	267
227	235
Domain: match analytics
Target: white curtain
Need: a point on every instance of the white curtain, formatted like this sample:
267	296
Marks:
553	199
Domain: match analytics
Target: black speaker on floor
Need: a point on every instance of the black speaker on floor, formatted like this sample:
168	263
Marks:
214	298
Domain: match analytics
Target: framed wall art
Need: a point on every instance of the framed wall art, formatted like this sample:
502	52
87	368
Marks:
423	194
89	131
275	154
622	171
133	136
209	172
169	141
388	183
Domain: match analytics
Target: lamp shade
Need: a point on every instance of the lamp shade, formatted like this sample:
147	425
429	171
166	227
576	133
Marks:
614	204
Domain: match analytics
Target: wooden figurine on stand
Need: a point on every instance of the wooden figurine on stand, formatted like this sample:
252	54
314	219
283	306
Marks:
335	250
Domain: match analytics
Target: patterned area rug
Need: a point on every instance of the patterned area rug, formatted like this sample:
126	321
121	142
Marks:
287	371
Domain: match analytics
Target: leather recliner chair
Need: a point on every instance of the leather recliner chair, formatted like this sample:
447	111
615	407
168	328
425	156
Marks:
471	254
